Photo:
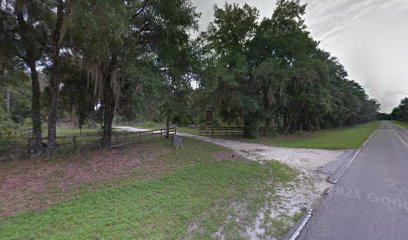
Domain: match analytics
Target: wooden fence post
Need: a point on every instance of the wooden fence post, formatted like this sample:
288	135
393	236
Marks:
74	143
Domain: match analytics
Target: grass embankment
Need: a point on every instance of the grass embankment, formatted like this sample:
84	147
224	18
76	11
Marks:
180	194
339	138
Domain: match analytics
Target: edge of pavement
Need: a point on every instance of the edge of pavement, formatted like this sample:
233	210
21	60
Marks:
295	231
335	177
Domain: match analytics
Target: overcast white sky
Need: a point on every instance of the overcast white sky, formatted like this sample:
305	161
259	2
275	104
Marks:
370	37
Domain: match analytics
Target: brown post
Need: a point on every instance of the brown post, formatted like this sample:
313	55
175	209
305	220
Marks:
74	142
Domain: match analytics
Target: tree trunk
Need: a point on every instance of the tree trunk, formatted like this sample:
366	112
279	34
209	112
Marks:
109	108
251	128
267	125
35	106
55	79
109	103
52	110
8	100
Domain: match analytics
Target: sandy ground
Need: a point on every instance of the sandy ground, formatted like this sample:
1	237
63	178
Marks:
306	160
305	192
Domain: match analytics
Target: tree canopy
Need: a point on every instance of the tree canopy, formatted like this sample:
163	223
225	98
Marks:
270	73
400	113
103	60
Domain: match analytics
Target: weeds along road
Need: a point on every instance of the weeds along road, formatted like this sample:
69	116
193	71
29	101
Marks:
371	200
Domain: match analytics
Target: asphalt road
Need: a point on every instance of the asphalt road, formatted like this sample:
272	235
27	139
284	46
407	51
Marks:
371	199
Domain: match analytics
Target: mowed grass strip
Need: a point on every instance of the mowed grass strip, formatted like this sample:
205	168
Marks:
339	138
401	124
199	191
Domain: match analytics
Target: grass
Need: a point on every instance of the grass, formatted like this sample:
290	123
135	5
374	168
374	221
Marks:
193	131
282	225
401	124
191	200
77	132
340	138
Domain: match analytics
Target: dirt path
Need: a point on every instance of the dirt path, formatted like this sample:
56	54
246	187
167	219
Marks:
307	160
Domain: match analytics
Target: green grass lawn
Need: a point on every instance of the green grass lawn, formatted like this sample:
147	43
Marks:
190	200
401	124
339	138
193	131
77	132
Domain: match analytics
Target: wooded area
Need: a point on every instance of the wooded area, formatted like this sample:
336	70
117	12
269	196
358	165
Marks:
400	113
108	60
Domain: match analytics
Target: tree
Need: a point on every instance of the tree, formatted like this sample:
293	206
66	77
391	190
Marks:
58	34
229	37
121	32
24	32
272	74
400	113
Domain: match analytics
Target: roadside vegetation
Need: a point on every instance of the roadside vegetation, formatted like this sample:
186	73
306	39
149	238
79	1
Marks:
137	61
401	124
81	64
399	114
339	138
165	194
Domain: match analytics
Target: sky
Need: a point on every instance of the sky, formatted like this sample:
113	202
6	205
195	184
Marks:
370	37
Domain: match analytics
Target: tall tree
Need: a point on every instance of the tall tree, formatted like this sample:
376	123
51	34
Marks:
58	34
25	29
120	31
272	74
229	36
401	112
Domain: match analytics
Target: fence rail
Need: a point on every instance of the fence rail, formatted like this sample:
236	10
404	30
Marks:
92	141
218	130
17	144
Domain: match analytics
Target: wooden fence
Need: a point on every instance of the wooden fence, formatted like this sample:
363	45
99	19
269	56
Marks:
218	130
90	141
